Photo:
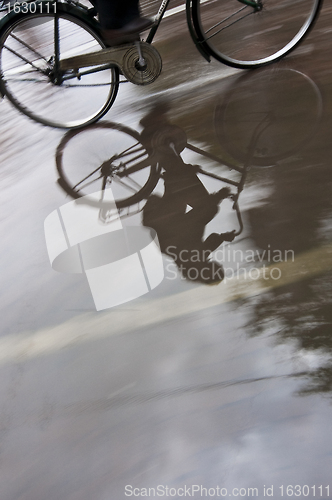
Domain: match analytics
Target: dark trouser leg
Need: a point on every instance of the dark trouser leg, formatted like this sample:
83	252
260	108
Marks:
114	14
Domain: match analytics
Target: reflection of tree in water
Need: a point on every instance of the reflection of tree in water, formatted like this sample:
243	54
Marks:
302	312
293	218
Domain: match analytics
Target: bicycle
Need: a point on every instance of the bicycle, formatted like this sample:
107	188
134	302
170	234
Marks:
53	58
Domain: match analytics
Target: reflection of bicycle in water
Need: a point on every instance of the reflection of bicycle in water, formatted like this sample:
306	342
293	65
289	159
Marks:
132	164
54	66
133	172
260	121
132	176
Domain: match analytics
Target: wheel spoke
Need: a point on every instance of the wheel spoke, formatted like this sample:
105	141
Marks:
28	46
87	184
226	19
27	61
228	25
236	37
121	181
132	150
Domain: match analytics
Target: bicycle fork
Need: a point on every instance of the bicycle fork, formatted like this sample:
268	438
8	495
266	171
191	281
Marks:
57	75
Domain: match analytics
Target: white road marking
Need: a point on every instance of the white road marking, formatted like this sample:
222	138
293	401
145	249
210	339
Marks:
147	312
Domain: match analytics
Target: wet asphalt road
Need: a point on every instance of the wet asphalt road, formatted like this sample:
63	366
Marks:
223	386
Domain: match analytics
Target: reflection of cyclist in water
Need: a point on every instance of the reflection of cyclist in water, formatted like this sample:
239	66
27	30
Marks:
180	231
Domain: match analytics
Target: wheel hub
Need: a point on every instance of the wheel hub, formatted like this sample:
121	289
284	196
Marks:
142	73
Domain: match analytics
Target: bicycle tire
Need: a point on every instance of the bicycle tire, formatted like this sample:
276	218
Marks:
270	101
114	151
26	66
237	35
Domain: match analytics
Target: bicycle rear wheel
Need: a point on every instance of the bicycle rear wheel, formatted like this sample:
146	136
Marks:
29	77
246	36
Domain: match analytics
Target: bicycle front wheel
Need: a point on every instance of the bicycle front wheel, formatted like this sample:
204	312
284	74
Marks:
30	78
245	36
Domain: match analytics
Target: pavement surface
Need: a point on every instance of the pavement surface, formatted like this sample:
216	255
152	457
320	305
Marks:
206	391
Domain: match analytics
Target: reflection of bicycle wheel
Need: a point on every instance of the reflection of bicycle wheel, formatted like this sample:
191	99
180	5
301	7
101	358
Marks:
283	107
106	155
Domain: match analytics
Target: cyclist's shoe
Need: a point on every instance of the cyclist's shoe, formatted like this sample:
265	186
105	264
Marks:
221	194
228	236
128	33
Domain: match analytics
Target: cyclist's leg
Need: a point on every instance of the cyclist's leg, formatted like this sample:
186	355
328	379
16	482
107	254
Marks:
114	14
121	21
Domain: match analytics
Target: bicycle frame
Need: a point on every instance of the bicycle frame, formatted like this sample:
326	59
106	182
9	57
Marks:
162	9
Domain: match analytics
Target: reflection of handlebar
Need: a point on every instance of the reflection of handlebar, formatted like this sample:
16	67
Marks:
238	213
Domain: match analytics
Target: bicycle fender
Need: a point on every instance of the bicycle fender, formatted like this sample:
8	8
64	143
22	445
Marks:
199	44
